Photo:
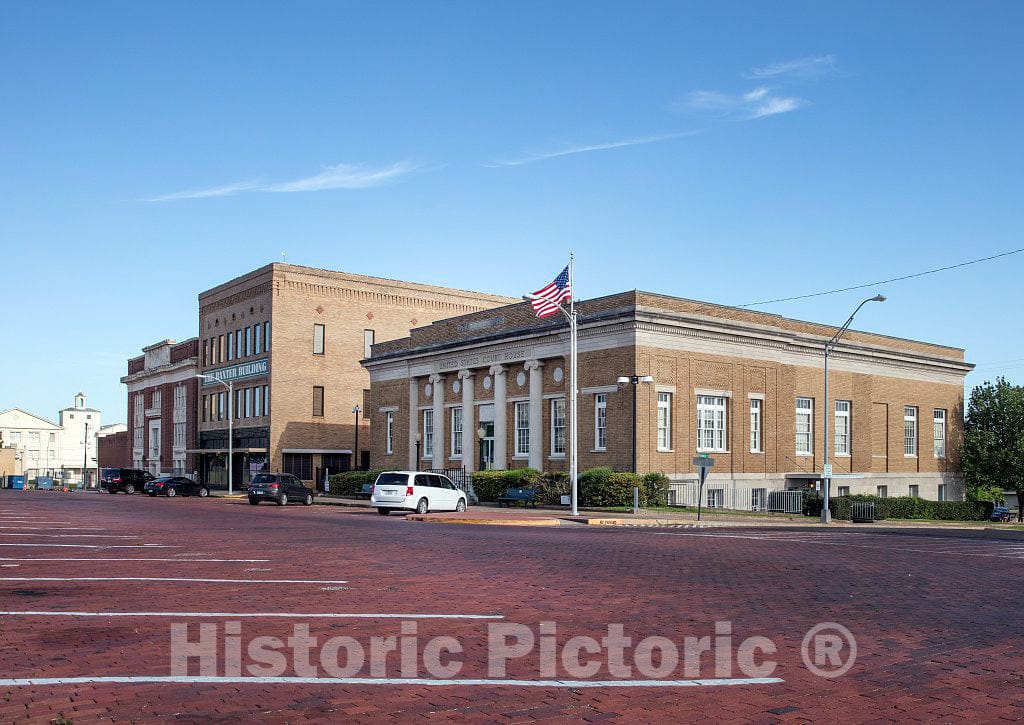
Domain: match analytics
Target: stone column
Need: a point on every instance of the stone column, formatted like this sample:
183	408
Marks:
536	460
437	396
469	441
414	424
500	417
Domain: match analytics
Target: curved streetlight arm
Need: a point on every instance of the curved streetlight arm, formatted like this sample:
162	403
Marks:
846	325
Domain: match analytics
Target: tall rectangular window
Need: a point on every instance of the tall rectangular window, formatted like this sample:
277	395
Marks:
391	433
239	344
239	403
942	492
258	339
231	346
755	425
266	400
206	407
558	427
711	412
221	405
456	432
318	339
368	336
843	427
522	437
600	422
939	432
257	399
248	402
805	426
220	348
909	430
318	401
664	421
206	347
428	434
266	336
248	341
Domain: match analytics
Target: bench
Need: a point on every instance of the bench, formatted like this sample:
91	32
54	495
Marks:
515	495
366	491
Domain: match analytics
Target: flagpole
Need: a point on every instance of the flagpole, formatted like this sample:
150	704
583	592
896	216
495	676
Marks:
573	392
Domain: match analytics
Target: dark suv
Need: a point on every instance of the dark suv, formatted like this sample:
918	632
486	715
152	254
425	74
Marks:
128	480
279	488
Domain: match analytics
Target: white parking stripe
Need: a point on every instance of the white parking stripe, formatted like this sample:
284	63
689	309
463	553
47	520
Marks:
164	579
73	536
103	546
139	558
259	615
388	681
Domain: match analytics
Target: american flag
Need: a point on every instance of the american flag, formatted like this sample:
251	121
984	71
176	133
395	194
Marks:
547	300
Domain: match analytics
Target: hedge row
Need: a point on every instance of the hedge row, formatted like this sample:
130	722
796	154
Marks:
350	483
900	507
597	486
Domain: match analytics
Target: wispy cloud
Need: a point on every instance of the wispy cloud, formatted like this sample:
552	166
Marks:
338	176
757	103
569	151
811	67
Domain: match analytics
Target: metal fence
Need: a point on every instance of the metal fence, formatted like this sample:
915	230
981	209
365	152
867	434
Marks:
462	480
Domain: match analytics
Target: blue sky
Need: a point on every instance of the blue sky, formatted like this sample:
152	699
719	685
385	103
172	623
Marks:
731	152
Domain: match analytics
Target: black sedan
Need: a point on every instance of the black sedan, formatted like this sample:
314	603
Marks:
175	486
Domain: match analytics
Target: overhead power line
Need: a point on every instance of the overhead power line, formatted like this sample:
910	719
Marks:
884	281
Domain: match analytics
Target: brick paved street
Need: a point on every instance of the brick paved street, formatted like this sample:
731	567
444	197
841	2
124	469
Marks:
933	613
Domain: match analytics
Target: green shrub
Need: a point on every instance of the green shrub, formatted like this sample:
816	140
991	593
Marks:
488	485
654	491
349	483
900	507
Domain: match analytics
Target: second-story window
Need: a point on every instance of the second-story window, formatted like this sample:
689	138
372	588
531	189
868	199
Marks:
318	339
318	401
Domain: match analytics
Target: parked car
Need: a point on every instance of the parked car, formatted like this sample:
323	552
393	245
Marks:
128	480
279	488
414	491
1000	513
172	486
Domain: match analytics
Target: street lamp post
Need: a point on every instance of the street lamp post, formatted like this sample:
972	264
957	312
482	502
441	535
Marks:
481	433
231	435
419	442
634	380
357	410
826	515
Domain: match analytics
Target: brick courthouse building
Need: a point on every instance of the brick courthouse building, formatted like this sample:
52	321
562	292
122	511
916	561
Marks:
289	339
745	387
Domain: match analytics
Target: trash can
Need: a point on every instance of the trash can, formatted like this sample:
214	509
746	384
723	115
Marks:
863	512
16	482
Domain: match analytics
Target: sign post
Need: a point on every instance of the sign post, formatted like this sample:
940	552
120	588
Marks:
703	464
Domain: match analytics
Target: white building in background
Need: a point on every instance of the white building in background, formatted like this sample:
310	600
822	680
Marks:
37	441
56	449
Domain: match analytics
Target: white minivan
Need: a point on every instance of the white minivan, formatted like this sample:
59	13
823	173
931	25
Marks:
415	491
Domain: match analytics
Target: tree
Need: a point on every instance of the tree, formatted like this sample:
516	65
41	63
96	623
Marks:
992	455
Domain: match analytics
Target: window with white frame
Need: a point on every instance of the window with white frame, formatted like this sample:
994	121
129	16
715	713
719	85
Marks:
600	422
231	346
522	438
711	411
755	425
882	491
368	338
428	434
391	433
257	399
939	432
842	431
179	414
804	425
318	339
248	341
664	421
138	421
240	343
909	430
558	426
248	402
456	432
258	339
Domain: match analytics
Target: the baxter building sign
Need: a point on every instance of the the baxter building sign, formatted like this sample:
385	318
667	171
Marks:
237	372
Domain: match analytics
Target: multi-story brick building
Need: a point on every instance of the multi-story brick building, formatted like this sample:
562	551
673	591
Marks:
288	340
745	387
162	394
